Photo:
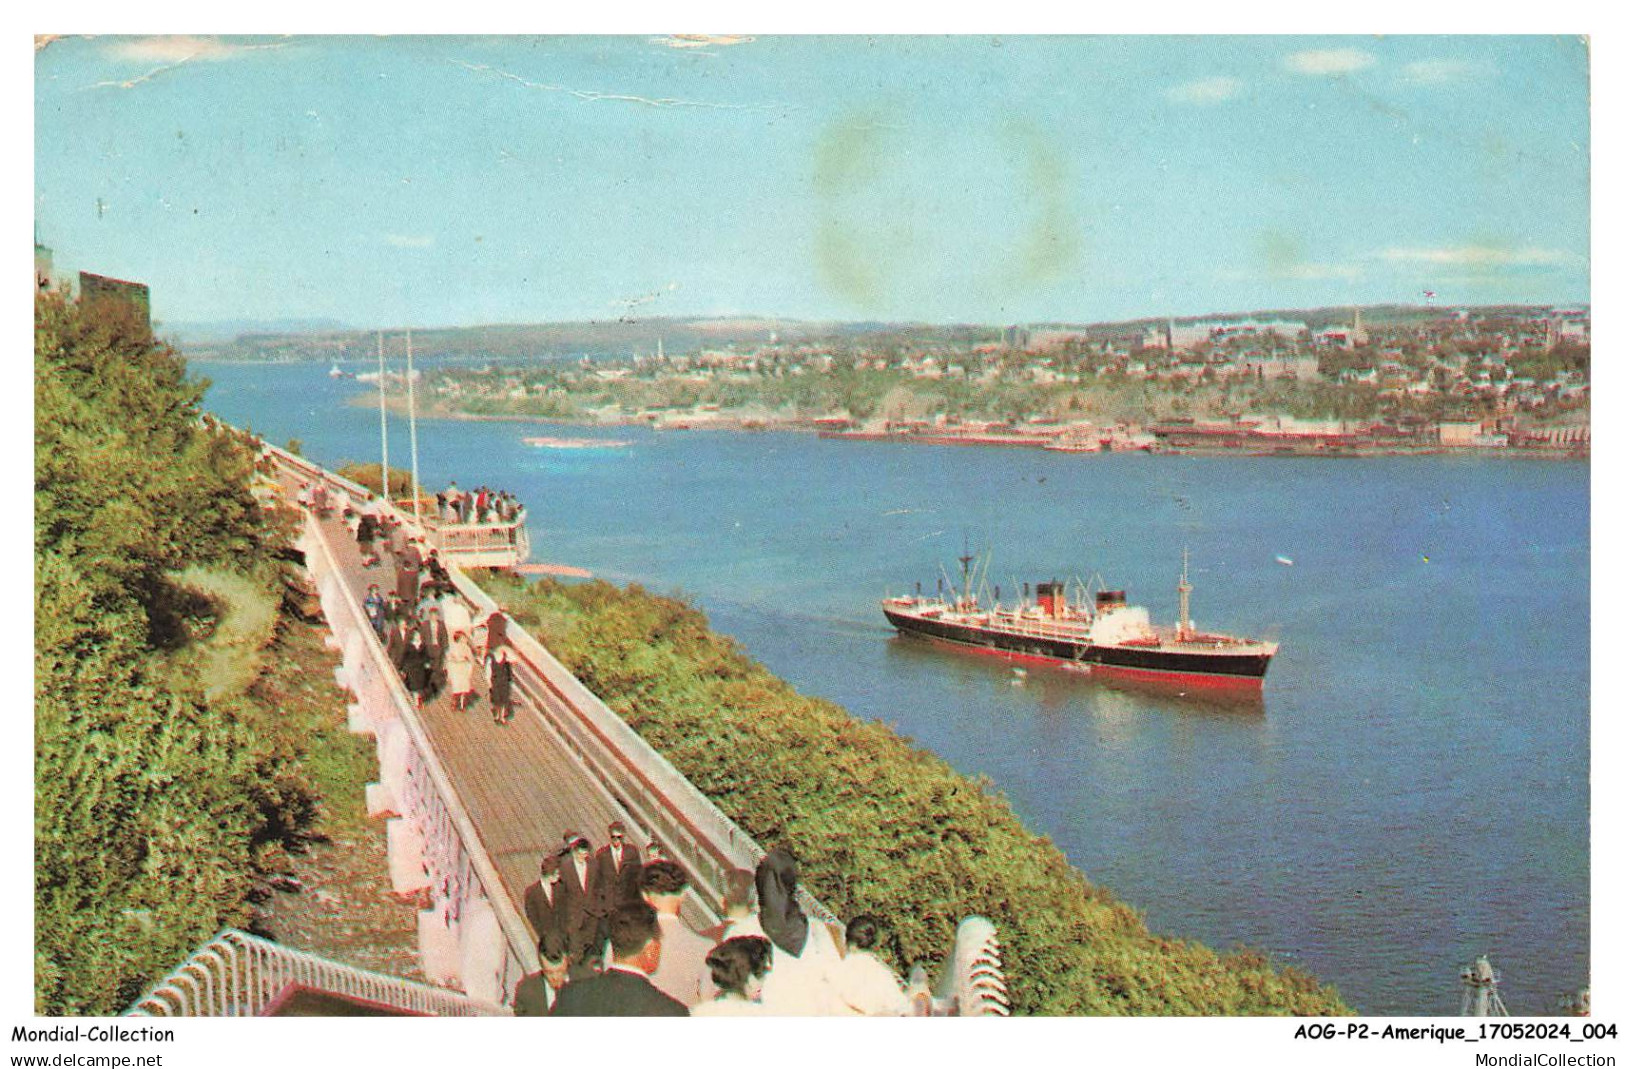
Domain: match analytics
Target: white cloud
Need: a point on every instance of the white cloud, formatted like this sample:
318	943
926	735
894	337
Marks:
701	40
409	241
181	49
1214	90
1326	61
171	53
1480	256
1435	71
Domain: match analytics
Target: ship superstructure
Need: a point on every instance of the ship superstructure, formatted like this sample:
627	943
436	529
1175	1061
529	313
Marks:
1102	633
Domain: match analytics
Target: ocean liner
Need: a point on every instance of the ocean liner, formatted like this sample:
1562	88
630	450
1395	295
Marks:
1110	636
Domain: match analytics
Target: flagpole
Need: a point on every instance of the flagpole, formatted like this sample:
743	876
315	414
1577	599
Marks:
383	419
412	416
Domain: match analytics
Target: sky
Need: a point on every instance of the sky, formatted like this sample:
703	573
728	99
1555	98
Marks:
433	181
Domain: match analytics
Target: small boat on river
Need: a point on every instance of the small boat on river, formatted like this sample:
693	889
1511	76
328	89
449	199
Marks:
576	443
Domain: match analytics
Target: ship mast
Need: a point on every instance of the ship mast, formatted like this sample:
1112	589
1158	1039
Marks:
1185	597
964	569
1481	995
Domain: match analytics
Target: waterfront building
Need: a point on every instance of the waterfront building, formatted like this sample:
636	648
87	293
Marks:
1459	432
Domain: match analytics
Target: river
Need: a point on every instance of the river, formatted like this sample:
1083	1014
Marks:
1410	792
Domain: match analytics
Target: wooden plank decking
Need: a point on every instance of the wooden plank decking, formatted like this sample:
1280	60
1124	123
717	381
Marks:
520	786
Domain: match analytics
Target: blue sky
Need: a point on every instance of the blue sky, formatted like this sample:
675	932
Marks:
460	180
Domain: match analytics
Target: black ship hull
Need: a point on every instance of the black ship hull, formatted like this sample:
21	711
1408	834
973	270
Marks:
1146	662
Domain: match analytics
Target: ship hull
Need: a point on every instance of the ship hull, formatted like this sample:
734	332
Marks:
1238	669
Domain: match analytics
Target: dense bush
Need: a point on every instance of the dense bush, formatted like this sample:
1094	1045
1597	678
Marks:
151	801
370	476
881	826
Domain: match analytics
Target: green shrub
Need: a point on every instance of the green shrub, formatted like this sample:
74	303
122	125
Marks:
152	801
368	475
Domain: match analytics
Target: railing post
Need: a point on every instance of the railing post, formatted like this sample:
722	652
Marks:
214	980
482	952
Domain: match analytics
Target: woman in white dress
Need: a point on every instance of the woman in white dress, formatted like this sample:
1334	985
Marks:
460	671
805	953
737	968
865	983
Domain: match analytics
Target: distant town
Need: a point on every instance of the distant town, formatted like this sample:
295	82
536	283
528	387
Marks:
1324	382
1374	381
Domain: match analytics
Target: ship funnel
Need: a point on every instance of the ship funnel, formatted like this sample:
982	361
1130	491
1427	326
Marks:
1107	600
1052	599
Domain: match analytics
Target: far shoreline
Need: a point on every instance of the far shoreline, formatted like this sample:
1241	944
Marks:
761	425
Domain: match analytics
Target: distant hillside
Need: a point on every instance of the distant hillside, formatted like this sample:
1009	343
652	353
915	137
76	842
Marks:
1316	318
520	342
226	330
542	341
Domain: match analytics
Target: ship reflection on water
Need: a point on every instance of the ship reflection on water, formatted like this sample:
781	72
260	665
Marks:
1056	686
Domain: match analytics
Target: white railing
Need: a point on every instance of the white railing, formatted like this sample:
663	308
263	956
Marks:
1006	622
972	983
1015	625
240	975
503	545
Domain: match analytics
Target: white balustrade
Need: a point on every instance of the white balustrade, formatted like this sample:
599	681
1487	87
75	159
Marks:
240	975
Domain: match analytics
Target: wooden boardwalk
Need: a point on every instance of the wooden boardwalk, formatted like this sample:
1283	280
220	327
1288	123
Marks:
492	800
519	784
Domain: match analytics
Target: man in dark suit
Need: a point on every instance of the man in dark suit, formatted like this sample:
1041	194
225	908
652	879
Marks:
623	988
436	640
618	866
530	998
541	900
406	574
397	636
575	900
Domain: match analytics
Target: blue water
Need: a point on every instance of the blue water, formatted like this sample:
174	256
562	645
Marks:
1410	792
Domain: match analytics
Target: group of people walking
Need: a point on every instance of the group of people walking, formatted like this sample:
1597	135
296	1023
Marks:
428	631
766	957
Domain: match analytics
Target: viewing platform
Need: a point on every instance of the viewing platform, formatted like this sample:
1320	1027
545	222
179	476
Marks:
470	545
